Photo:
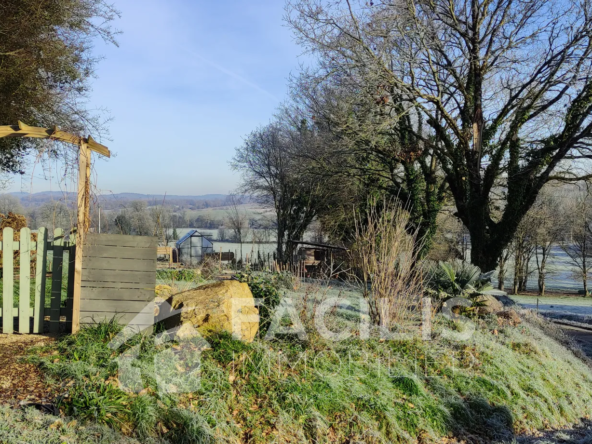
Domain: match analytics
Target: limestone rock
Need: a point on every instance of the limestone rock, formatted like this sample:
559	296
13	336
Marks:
221	306
489	304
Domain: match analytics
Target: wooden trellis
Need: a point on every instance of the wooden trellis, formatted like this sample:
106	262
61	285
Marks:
85	146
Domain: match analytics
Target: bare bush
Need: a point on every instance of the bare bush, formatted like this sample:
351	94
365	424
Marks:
385	256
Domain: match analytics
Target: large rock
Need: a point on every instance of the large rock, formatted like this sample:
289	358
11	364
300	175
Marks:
489	304
222	306
510	315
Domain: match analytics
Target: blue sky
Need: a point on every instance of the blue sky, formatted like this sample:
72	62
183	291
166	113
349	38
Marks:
188	81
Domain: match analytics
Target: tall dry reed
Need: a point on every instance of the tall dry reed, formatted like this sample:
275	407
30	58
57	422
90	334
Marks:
384	256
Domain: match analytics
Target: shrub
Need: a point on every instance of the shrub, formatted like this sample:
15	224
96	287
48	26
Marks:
457	278
180	274
264	287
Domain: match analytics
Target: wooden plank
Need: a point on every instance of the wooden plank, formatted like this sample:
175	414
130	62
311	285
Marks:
25	281
117	285
40	281
95	263
99	251
84	159
120	294
7	278
141	277
70	287
123	318
56	281
113	306
120	240
15	313
22	130
97	147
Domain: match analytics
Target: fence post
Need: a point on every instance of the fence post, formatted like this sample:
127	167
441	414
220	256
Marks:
25	281
41	271
8	280
84	160
56	280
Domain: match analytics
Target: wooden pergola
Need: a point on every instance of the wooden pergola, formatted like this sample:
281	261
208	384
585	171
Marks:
85	147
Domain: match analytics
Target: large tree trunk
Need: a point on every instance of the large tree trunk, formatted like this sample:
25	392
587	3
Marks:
280	244
501	276
541	283
517	273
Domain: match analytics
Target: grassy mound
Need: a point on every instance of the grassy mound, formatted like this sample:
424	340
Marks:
504	380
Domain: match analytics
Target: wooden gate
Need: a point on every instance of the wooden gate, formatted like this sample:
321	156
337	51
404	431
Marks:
118	276
42	267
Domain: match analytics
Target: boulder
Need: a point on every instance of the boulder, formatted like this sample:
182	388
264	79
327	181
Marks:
501	296
489	304
222	306
510	315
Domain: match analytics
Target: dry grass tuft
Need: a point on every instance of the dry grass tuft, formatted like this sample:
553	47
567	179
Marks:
385	256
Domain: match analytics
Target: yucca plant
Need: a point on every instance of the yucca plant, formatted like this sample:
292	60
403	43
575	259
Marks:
458	279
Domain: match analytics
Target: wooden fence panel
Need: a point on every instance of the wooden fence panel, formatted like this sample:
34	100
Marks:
41	271
119	276
118	279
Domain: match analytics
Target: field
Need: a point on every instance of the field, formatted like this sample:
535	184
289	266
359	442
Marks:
559	304
253	211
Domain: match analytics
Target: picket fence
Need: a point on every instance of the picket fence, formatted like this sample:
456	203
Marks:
35	310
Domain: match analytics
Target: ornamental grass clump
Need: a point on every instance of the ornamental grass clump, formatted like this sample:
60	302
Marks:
385	254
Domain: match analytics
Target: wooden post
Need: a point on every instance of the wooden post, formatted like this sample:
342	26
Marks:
8	280
40	281
82	227
25	281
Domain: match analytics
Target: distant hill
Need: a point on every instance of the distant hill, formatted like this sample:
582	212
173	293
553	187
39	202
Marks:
31	200
47	195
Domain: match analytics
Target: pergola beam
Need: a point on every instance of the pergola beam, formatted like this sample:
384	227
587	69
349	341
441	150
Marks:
85	146
23	130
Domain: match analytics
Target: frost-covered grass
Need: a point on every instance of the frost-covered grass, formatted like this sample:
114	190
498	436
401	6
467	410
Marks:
503	380
33	427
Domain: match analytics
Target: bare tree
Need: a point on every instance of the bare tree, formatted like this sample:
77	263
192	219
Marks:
273	174
162	222
524	247
221	233
503	266
578	243
502	86
56	214
137	214
549	230
237	220
10	204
